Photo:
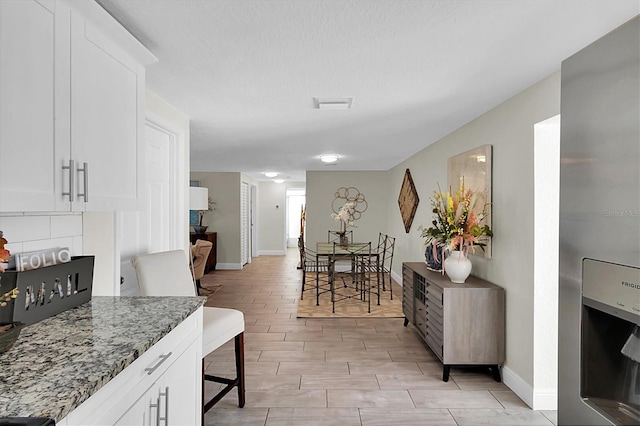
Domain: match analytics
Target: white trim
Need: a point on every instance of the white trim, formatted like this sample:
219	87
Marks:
543	399
518	385
397	278
546	399
229	266
272	252
179	236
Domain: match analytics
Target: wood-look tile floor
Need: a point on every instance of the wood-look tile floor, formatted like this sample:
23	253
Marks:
345	371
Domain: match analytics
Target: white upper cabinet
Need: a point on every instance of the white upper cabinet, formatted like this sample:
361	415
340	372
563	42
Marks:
26	106
75	108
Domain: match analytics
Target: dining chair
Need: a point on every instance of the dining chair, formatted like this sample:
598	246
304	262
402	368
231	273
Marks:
385	262
167	274
334	237
354	284
316	271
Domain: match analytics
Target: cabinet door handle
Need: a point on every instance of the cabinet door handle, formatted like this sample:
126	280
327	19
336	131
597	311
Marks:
157	407
163	358
166	406
71	168
85	174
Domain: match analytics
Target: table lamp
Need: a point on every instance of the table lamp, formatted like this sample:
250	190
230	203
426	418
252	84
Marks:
199	200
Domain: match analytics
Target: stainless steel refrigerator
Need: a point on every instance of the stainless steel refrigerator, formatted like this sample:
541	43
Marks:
599	295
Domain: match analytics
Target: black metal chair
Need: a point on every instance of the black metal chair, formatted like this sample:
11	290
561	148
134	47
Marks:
316	271
385	261
356	282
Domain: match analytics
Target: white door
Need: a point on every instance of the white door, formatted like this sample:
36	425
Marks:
244	223
152	227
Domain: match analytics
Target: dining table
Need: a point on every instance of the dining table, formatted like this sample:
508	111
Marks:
349	253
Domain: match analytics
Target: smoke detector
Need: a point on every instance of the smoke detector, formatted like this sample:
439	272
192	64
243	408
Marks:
332	103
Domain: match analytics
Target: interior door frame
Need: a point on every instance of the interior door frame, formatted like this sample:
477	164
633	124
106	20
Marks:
179	234
179	230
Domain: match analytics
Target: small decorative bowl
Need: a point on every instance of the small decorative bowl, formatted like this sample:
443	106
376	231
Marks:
9	336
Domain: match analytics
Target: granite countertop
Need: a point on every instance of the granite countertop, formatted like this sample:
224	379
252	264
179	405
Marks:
58	363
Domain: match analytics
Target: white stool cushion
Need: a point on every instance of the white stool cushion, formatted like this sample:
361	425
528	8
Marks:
219	326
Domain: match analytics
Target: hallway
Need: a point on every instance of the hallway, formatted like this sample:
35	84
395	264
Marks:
346	371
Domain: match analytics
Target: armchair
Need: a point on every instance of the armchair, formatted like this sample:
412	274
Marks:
200	253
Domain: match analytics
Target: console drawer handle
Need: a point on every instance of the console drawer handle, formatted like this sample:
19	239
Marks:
163	358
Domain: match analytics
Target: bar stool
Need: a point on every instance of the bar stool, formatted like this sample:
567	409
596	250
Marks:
167	274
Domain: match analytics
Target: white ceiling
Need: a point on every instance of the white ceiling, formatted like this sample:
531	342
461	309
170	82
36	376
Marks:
246	72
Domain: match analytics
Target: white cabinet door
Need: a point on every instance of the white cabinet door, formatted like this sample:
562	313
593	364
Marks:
180	389
27	106
107	91
137	414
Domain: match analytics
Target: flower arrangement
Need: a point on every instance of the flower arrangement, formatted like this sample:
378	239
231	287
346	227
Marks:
4	253
345	217
211	204
457	225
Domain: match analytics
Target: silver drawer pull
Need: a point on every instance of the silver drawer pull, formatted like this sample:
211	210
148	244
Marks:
70	167
85	173
163	358
166	406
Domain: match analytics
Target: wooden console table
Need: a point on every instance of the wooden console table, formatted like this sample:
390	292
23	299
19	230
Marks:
462	324
208	236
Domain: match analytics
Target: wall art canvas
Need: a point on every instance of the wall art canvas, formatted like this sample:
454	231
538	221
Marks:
473	167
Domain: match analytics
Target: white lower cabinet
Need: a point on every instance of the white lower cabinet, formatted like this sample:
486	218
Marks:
162	387
169	401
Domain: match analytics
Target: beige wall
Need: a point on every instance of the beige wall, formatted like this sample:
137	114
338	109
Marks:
224	189
509	129
272	215
321	187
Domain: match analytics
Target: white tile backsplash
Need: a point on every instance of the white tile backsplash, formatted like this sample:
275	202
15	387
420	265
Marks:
66	226
32	231
25	228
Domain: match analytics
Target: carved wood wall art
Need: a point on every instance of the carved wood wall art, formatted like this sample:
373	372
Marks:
408	201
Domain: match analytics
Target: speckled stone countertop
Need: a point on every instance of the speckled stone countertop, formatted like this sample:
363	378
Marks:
58	363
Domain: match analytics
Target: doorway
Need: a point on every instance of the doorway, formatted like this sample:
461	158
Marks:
154	226
546	248
296	198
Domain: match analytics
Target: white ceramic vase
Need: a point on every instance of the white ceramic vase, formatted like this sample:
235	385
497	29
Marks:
457	267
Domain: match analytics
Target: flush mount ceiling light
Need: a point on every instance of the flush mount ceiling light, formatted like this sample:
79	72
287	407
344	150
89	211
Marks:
278	180
329	158
332	103
271	174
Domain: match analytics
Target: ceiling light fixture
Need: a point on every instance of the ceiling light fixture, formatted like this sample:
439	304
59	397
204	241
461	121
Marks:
329	158
271	174
278	180
332	103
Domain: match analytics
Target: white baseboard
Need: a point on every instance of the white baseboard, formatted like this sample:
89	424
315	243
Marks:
397	278
229	266
272	253
545	399
518	385
540	399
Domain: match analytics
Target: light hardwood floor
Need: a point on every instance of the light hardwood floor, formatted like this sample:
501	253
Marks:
342	371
